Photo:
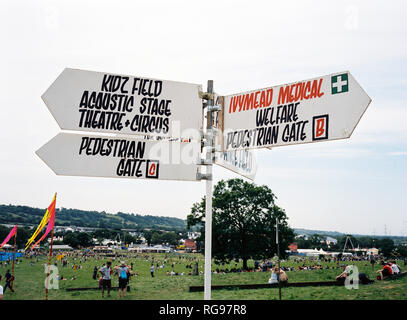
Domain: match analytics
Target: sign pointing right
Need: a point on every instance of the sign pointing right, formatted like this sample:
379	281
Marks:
319	109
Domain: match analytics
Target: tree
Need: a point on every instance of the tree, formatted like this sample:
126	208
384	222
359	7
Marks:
401	251
243	222
78	239
317	241
302	243
148	234
386	246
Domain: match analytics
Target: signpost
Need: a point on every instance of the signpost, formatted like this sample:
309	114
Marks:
136	109
208	199
319	109
121	157
83	100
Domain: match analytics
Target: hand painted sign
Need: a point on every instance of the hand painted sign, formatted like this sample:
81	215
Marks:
71	154
95	101
242	162
319	109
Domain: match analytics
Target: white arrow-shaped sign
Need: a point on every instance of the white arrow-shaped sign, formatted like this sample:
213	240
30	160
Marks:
319	109
242	162
87	155
95	101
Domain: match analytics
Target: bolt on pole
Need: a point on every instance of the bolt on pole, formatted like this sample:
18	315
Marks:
208	204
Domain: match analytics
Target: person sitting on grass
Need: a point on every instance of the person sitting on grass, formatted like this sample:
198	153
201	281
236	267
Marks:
385	272
394	267
342	277
273	277
363	278
283	277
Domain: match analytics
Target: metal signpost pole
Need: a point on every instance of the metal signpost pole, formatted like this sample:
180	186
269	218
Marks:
208	204
14	259
278	261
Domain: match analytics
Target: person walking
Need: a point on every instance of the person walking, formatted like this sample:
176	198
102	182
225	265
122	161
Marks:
152	270
95	273
372	260
9	278
106	272
123	277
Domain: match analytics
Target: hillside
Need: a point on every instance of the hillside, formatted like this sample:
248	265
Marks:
10	214
336	234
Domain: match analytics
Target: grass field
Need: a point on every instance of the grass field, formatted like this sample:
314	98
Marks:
29	282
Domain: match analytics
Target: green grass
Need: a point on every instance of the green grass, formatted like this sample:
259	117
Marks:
29	283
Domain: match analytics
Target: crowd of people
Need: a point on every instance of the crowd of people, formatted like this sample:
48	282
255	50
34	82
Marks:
172	265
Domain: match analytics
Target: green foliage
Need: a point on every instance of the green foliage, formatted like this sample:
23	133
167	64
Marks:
243	222
401	251
386	246
78	239
164	237
10	214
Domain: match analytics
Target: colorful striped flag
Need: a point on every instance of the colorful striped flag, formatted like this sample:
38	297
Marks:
47	217
10	235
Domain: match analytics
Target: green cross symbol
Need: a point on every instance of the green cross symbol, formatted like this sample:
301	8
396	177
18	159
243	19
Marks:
340	83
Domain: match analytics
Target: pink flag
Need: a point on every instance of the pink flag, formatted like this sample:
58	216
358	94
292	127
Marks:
12	233
49	228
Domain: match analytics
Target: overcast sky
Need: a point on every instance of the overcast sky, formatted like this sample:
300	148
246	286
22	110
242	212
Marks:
356	185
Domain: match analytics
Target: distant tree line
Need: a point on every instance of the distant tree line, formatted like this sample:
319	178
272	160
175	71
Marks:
12	214
78	239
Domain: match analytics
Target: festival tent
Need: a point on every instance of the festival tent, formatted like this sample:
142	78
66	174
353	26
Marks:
62	247
309	252
6	256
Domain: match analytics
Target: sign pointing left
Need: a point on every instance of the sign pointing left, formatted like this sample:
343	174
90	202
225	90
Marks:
83	100
87	155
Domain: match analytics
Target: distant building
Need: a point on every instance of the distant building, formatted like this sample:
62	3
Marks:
193	235
301	236
189	245
155	249
373	251
330	241
56	239
102	249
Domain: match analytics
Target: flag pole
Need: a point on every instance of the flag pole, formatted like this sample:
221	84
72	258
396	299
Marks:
50	257
49	264
14	258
